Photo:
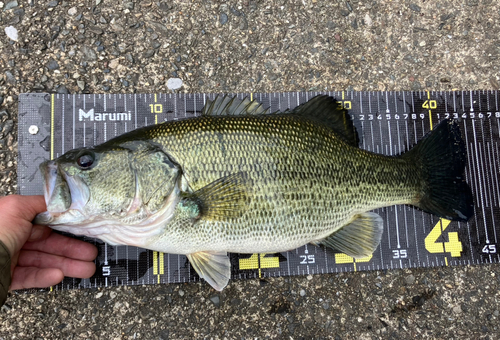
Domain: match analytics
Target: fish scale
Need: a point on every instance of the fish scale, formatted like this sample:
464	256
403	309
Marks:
411	237
289	183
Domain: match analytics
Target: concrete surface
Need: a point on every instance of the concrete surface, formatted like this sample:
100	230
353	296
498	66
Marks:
104	46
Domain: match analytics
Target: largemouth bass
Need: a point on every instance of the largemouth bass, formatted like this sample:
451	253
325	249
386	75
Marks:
241	179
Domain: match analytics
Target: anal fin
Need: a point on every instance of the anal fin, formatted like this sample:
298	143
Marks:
214	267
359	238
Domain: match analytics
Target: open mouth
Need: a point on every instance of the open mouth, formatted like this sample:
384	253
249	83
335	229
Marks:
57	193
65	195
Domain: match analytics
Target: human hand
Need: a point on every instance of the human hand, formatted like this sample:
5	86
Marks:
40	257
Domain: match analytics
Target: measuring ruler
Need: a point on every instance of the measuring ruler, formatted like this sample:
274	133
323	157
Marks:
387	122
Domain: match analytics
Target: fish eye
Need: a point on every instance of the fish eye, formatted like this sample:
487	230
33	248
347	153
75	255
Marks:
86	160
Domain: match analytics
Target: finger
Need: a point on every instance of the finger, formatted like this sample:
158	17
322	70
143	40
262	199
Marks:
26	207
39	232
69	267
58	244
29	277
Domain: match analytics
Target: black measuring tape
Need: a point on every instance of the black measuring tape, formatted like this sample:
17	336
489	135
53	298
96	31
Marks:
387	122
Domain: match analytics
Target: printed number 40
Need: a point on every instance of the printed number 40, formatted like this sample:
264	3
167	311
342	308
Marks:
429	104
453	246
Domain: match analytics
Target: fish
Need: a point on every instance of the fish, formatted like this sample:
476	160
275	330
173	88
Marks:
241	179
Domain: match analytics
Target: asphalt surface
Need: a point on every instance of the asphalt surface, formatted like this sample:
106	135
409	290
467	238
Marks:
260	46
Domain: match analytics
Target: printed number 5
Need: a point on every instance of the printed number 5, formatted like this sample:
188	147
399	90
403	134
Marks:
453	246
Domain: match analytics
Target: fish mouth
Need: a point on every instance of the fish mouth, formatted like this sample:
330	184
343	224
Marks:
65	196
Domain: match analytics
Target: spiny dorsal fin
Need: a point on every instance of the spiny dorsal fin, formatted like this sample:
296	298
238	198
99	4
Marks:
358	239
232	106
220	200
325	110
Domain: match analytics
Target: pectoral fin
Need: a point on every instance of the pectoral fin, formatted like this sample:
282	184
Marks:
214	267
358	239
222	199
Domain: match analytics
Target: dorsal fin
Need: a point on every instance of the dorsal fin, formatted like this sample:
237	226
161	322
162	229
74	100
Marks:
232	106
325	110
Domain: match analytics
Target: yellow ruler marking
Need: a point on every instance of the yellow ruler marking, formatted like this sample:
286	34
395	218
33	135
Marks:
428	101
259	261
251	96
162	263
52	126
155	263
52	136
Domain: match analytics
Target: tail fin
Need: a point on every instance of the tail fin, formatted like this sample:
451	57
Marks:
440	158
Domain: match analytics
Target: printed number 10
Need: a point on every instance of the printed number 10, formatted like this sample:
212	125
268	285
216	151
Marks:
156	108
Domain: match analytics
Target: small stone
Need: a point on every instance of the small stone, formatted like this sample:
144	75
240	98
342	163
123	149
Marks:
10	5
149	53
10	77
63	313
52	65
125	83
81	84
62	90
112	295
494	83
11	33
181	292
415	7
368	20
302	292
243	25
72	11
223	19
354	24
164	334
7	127
100	49
106	88
53	3
410	279
6	308
445	80
457	309
215	300
156	44
129	57
309	277
128	5
174	83
88	53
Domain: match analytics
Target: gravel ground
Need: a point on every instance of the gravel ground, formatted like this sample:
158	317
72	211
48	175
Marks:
131	46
